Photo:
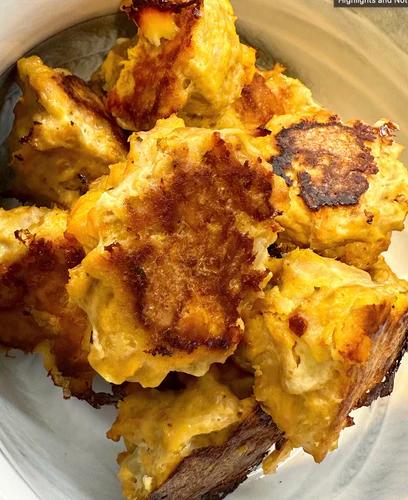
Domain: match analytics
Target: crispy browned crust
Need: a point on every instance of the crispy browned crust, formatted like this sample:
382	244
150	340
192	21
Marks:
158	76
187	287
335	162
257	104
297	324
79	92
37	283
211	473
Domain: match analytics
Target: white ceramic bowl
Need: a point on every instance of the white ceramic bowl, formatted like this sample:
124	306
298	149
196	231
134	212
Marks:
55	450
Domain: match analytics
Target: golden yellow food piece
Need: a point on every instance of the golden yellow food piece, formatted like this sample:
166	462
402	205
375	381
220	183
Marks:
177	240
188	59
161	428
105	77
324	335
35	315
292	95
340	187
270	93
62	138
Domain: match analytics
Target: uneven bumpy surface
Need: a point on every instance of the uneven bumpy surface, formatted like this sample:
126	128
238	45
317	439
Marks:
181	238
334	162
197	478
324	335
188	58
340	187
214	472
174	438
35	315
62	138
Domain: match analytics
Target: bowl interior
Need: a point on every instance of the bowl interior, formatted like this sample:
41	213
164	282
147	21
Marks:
57	448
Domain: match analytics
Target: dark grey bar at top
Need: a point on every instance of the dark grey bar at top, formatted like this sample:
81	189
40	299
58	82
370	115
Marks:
370	3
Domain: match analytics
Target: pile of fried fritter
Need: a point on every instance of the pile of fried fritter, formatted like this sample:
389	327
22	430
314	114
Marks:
207	238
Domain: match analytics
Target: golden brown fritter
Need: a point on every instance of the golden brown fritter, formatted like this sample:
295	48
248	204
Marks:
187	59
177	239
35	257
324	335
161	428
340	187
62	138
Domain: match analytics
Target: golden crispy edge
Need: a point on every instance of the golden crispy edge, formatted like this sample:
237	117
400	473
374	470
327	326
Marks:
257	105
82	95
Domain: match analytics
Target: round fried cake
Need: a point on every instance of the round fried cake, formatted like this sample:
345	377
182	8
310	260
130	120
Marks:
340	188
62	138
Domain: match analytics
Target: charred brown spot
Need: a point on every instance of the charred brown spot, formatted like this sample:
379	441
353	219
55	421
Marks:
275	251
27	138
187	284
73	253
99	399
23	236
298	324
387	132
334	161
79	92
257	104
83	179
262	132
162	91
369	217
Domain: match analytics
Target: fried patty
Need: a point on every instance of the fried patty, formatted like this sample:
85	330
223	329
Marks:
340	187
62	138
181	232
187	59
